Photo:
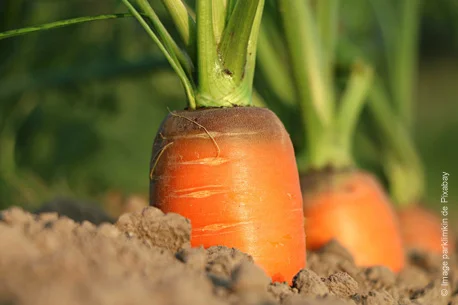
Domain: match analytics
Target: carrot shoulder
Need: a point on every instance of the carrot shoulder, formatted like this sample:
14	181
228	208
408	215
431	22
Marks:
232	172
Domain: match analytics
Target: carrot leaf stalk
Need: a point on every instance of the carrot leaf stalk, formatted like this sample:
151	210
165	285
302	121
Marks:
351	104
207	56
171	57
185	23
59	24
392	107
219	18
328	120
327	20
402	163
406	57
164	35
302	39
400	33
276	73
235	40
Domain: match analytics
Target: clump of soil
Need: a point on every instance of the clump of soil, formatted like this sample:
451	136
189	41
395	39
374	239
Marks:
146	258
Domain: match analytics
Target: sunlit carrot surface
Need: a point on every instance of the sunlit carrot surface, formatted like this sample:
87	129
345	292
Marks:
421	229
352	208
236	180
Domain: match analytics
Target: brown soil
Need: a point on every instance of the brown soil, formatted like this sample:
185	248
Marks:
145	258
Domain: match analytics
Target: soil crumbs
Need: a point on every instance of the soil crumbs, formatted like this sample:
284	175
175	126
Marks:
146	258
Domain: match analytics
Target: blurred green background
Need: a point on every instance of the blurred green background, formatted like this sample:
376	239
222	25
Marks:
80	106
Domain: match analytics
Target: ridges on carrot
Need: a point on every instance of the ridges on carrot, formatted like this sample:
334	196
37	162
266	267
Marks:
235	193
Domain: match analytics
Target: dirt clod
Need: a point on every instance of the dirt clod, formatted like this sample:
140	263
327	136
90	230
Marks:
342	284
308	282
170	231
221	260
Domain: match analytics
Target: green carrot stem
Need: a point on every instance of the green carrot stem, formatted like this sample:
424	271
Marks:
406	180
230	5
185	23
386	13
233	48
59	24
165	37
314	91
189	88
405	59
403	166
207	57
219	18
272	64
327	19
252	48
226	80
351	105
402	163
304	46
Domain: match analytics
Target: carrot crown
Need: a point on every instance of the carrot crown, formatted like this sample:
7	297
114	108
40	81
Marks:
217	67
328	118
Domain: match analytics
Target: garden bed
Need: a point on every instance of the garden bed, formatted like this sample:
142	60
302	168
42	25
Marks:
145	258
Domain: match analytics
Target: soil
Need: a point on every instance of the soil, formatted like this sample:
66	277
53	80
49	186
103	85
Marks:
146	258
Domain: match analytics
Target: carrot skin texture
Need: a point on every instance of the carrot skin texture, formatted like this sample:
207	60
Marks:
421	229
240	187
351	207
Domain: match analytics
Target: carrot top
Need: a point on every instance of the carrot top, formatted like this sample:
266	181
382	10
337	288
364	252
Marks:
391	104
217	67
328	117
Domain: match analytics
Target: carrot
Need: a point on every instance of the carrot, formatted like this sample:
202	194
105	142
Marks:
421	229
340	201
351	207
225	165
226	178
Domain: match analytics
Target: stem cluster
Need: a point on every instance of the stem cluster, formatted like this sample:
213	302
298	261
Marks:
391	105
217	67
329	119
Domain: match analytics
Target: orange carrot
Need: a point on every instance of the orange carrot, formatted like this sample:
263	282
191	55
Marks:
421	229
232	172
352	208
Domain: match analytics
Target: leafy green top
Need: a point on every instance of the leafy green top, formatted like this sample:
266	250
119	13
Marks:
217	67
328	121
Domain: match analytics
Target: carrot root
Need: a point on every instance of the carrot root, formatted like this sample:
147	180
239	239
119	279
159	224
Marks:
247	197
351	207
